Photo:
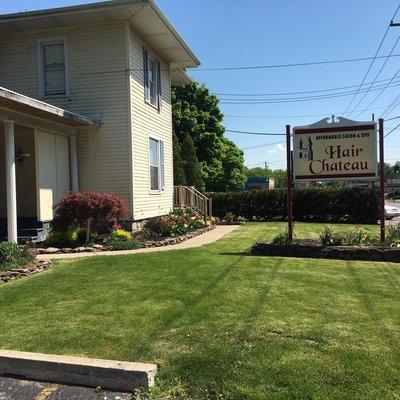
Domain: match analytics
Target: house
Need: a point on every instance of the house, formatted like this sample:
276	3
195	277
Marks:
85	104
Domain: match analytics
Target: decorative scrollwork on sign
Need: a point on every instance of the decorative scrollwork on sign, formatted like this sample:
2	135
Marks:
333	119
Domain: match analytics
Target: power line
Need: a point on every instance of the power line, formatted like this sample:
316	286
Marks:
291	65
379	94
392	130
373	59
301	92
259	146
376	77
255	133
301	98
292	116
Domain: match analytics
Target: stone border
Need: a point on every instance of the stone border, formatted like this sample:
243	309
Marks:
361	253
90	372
150	243
26	270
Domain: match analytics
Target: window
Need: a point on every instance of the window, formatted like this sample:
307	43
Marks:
157	170
52	65
152	80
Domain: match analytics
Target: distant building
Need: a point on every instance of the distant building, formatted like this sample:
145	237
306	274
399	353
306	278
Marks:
259	184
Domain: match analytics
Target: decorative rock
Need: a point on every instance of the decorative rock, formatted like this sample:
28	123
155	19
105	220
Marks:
98	247
51	250
79	249
66	250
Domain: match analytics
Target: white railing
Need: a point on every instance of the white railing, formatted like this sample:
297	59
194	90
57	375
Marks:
189	198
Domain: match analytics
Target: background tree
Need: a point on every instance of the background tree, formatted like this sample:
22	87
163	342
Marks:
179	172
191	163
279	175
196	112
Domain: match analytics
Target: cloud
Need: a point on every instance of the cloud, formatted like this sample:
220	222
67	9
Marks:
278	148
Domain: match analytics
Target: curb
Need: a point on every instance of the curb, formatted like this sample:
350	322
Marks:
90	372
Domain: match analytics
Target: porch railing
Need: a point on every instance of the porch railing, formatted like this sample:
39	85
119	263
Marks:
189	198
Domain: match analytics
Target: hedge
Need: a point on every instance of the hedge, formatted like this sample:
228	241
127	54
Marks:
351	205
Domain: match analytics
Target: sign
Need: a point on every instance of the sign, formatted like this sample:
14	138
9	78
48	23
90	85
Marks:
335	148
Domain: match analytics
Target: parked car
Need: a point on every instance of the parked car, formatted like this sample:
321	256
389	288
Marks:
391	212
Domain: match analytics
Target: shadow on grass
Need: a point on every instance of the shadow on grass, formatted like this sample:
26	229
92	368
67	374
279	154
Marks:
238	253
213	371
373	314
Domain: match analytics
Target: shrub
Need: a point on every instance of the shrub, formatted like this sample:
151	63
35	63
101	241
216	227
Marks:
11	255
87	209
349	237
393	236
62	239
196	224
328	237
229	217
156	226
132	244
282	238
120	234
353	205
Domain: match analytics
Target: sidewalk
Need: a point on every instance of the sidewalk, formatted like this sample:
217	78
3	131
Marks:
206	238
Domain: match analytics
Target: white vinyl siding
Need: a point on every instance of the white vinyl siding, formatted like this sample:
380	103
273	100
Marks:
98	86
154	122
52	67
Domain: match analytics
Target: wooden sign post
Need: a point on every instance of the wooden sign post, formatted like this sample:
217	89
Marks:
289	183
382	181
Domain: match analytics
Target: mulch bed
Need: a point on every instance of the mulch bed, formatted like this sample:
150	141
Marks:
311	249
155	242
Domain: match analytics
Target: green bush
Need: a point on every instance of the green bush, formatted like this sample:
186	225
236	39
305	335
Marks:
349	237
352	205
12	256
196	223
229	217
132	244
393	236
62	239
282	238
328	237
120	234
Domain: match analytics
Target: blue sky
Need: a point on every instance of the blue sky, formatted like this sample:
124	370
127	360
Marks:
258	32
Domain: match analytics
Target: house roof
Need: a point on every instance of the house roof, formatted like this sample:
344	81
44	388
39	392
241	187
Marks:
17	102
144	15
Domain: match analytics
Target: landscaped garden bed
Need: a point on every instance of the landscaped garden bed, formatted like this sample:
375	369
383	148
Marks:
349	244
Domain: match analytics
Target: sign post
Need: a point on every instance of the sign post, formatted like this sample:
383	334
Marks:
382	180
289	183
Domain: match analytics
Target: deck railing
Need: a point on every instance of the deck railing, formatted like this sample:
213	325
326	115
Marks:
189	198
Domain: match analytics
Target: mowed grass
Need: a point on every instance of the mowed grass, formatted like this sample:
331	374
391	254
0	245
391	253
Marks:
220	323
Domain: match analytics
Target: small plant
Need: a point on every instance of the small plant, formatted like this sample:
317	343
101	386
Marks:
12	256
196	223
282	238
156	226
230	217
328	237
393	236
120	234
62	239
132	244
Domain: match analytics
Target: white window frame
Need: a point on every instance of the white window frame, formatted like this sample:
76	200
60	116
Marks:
157	104
160	165
40	60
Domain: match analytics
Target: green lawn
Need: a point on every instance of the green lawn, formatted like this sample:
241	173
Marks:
220	323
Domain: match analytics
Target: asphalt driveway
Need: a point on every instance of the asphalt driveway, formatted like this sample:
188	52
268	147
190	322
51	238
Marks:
19	389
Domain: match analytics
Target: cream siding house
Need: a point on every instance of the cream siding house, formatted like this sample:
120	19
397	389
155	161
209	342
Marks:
85	97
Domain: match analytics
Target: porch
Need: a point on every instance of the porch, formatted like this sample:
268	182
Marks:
38	162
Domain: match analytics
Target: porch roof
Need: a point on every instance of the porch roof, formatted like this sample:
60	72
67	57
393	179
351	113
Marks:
16	102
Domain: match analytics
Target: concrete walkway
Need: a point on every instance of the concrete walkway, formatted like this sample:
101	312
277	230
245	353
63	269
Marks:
206	238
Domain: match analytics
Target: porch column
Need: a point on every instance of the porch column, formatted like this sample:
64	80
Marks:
11	185
73	160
